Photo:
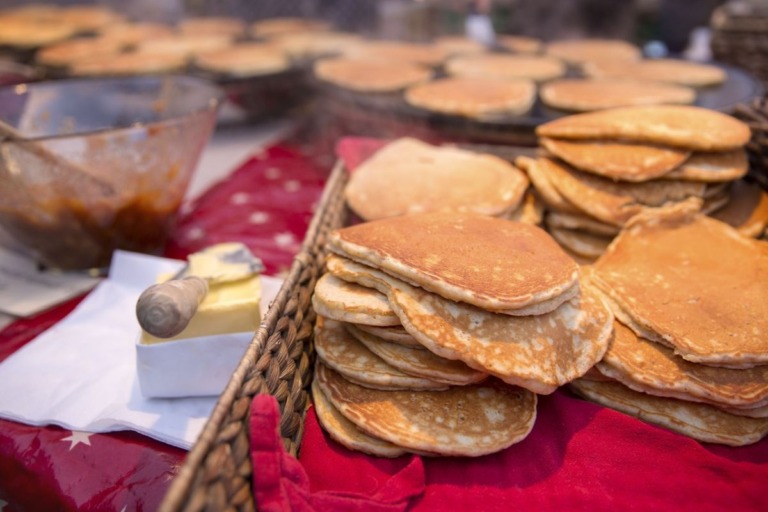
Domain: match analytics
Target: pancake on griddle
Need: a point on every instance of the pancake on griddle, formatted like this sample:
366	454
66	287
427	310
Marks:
747	211
474	97
459	45
502	266
418	362
538	352
616	160
675	71
609	201
398	52
505	66
699	421
342	352
419	177
348	302
345	432
461	421
682	126
695	282
245	59
581	51
712	167
394	334
518	44
580	95
652	368
370	76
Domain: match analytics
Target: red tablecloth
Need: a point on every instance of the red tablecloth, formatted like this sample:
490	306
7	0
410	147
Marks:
267	204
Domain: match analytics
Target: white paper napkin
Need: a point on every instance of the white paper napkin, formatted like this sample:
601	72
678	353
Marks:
81	373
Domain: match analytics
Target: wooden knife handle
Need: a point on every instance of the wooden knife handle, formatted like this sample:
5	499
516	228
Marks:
165	309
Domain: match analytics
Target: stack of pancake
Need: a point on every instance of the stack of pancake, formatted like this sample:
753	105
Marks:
690	351
437	330
602	168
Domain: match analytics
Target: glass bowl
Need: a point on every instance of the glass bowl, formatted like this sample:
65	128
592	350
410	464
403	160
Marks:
90	166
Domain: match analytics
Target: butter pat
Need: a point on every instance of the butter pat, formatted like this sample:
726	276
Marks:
229	307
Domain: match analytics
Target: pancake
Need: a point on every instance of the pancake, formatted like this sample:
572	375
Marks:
582	51
756	412
491	263
132	63
615	160
27	33
212	25
393	334
341	351
716	202
345	432
611	202
348	302
474	97
712	167
370	76
397	53
580	95
503	66
699	421
183	45
553	199
682	126
247	59
459	45
303	45
674	71
579	222
88	18
539	353
519	44
419	177
417	362
461	421
530	210
747	211
584	244
132	33
695	282
652	368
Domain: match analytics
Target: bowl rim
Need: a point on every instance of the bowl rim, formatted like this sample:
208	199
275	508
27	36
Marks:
217	96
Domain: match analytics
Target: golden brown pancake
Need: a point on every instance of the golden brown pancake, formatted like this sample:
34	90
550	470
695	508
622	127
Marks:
67	52
246	59
418	362
409	176
182	45
132	63
530	210
580	95
341	351
461	421
616	160
580	222
747	211
540	180
699	421
652	368
519	44
345	432
587	245
397	52
712	167
474	97
682	126
582	51
611	202
538	352
503	66
393	334
88	18
674	71
28	33
315	43
370	76
693	281
348	302
491	263
131	34
212	25
459	45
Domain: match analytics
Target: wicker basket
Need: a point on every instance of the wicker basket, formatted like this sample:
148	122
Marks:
756	116
740	37
217	472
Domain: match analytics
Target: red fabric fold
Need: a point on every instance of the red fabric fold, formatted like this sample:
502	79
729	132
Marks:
280	483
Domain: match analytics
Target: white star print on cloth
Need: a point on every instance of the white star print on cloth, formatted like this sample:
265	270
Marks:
285	239
78	437
258	218
292	186
273	173
239	198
